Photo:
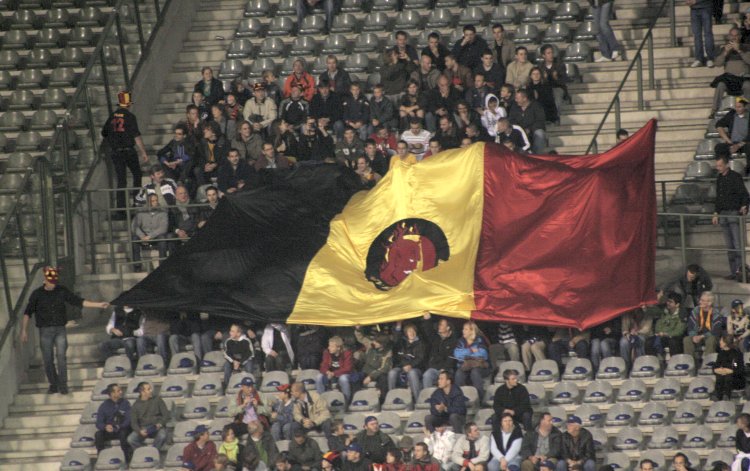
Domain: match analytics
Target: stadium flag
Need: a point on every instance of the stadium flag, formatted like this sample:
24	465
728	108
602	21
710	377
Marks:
480	232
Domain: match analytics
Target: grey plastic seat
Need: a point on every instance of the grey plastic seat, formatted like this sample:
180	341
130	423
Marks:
110	459
271	47
727	437
216	427
231	69
612	368
272	380
248	28
43	120
384	5
334	44
631	390
628	439
99	391
471	16
586	31
559	416
366	42
28	141
700	388
537	393
484	418
504	14
738	165
398	399
700	436
344	23
688	412
567	11
15	39
590	414
280	26
307	377
174	456
81	36
598	391
183	431
471	396
578	52
375	21
287	67
65	77
76	460
287	7
259	65
257	8
510	365
718	456
11	181
646	366
150	365
687	193
536	13
353	422
90	16
572	73
578	369
619	415
48	37
88	416
212	362
709	359
56	18
235	381
303	46
117	366
365	400
476	3
336	401
6	80
653	413
12	121
721	412
526	34
39	57
600	438
423	400
557	32
131	389
680	365
182	363
706	149
23	19
389	422
421	4
196	408
83	437
438	18
357	63
544	370
9	59
239	49
414	423
565	392
208	384
30	78
312	24
699	170
666	389
618	461
145	457
350	6
693	457
664	437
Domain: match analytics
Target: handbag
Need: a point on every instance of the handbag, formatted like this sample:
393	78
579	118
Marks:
470	363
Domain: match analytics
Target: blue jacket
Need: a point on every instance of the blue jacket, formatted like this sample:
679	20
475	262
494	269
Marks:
693	324
115	414
455	401
285	411
464	351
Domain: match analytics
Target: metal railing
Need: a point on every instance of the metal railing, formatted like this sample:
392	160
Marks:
648	41
37	226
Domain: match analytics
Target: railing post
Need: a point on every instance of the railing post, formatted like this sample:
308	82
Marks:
126	75
105	79
639	63
651	62
92	235
22	244
67	203
663	196
157	8
90	116
672	24
49	254
683	252
138	25
743	231
618	121
6	285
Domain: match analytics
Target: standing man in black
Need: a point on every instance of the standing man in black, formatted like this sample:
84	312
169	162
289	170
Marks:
121	133
731	200
48	304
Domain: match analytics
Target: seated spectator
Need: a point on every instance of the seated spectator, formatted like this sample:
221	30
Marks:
441	342
476	96
541	444
494	73
563	341
273	91
261	110
729	369
458	75
543	94
300	79
149	224
378	360
382	111
199	103
155	334
472	356
647	465
465	116
339	439
692	284
325	108
176	155
315	142
440	442
193	124
403	48
148	418
232	108
447	404
680	462
238	352
212	152
270	160
505	444
186	329
513	398
742	442
277	346
248	142
669	329
738	326
515	133
349	148
219	116
502	47
282	414
735	58
355	460
310	410
230	446
200	453
440	102
734	129
554	74
605	338
210	88
337	80
304	452
124	327
241	91
447	135
162	187
331	461
703	325
469	49
406	447
212	198
508	97
337	366
402	155
377	160
374	443
235	174
533	340
367	176
409	358
422	460
251	458
411	105
184	219
577	450
396	71
518	71
529	115
249	411
294	109
470	449
215	329
113	421
282	136
385	141
426	75
416	138
503	343
435	148
436	51
492	113
637	326
356	111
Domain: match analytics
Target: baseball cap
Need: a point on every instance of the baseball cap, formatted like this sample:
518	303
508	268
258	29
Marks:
330	456
283	387
574	419
247	381
200	430
547	464
737	303
354	447
259	86
51	275
369	419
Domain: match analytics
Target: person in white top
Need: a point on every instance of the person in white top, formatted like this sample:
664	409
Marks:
416	138
505	445
440	443
492	113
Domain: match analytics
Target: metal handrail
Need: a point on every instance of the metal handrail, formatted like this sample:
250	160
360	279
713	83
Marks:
637	60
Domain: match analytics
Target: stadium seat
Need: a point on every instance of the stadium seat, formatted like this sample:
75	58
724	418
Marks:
628	439
355	421
183	363
619	415
537	394
721	412
273	379
6	80
230	69
572	73
688	412
700	436
21	100
208	384
29	141
239	49
618	461
510	365
693	457
150	365
88	416
257	9
183	431
656	457
504	14
590	415
312	24
357	63
110	459
738	165
567	11
709	360
336	401
586	31
365	400
90	16
526	34
389	422
30	78
19	160
16	39
680	365
578	369
216	428
557	32
344	23
271	47
544	370
484	418
248	28
687	193
224	407
43	120
471	16
350	6
565	392
99	392
235	382
303	46
631	390
600	438
472	397
196	408
174	456
117	367
536	13
39	57
439	18
727	437
366	42
718	456
559	416
334	44
81	36
423	400
612	368
664	437
598	391
145	457
376	21
398	399
420	4
700	388
646	366
653	413
75	460
384	5
706	149
131	389
415	423
489	394
72	57
282	26
174	386
64	77
23	19
307	377
83	437
287	7
698	170
213	362
578	52
666	389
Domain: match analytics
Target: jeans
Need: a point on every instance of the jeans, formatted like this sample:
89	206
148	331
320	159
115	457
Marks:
538	141
513	465
588	465
429	378
413	377
110	347
700	23
135	440
310	362
304	9
631	347
607	41
102	436
560	347
281	431
600	349
178	342
54	343
138	245
324	427
476	376
322	383
229	369
144	343
122	160
732	234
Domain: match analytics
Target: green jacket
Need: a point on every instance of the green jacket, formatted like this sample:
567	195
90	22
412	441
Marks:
377	362
670	324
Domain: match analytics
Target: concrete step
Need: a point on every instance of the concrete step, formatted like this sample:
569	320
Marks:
31	464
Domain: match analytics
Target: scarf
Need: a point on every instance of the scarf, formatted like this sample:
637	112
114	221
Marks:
231	449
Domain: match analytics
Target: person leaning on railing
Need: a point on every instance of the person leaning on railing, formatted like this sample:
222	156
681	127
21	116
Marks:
732	200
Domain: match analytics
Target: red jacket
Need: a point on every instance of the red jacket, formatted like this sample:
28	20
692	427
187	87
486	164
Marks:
203	460
346	363
305	82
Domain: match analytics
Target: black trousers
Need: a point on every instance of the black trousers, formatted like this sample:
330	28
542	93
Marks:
718	10
122	160
102	437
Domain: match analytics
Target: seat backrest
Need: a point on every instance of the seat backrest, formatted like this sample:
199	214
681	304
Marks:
274	379
544	370
719	456
611	368
722	409
632	388
118	364
559	416
618	461
399	396
665	435
621	412
110	458
354	421
151	362
681	362
598	391
416	421
654	411
667	387
389	422
699	436
689	409
146	455
590	414
483	418
565	390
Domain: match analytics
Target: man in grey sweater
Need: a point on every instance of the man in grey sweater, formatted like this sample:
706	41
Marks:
148	418
150	224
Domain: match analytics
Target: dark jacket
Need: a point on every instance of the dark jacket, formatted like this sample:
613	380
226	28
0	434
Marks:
733	360
695	288
437	61
470	54
583	449
184	218
440	349
383	111
516	399
146	413
356	109
316	147
531	439
202	459
229	177
531	119
731	193
216	93
727	121
340	82
240	350
495	77
221	150
182	151
413	354
328	107
294	112
116	414
375	446
455	401
361	465
434	100
306	454
395	76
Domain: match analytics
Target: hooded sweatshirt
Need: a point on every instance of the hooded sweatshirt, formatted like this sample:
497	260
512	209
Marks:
489	118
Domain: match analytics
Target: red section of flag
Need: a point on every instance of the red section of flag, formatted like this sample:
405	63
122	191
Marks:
567	240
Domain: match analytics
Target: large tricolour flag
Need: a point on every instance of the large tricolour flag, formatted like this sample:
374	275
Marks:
479	232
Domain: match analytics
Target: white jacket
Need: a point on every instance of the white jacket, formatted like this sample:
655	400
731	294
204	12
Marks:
266	342
441	446
489	119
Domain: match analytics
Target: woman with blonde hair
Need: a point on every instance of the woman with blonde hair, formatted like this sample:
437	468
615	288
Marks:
472	354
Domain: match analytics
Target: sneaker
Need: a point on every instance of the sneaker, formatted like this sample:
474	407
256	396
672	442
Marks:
603	59
71	324
52	389
64	390
696	63
615	55
710	64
